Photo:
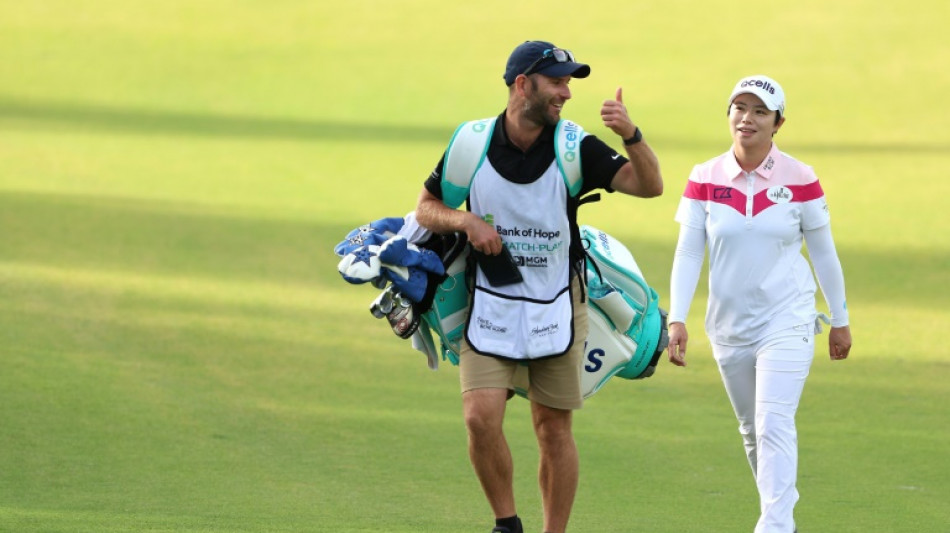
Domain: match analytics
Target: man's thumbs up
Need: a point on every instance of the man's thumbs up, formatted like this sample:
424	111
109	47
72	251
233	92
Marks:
614	115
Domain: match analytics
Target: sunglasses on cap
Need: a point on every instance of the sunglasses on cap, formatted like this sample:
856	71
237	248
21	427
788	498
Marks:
559	54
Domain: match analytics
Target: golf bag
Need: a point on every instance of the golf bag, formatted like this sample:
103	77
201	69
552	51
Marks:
627	328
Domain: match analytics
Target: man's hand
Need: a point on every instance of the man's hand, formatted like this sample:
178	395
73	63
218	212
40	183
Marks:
482	236
641	175
615	116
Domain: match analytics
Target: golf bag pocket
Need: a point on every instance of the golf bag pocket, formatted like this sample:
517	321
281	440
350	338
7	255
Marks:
627	326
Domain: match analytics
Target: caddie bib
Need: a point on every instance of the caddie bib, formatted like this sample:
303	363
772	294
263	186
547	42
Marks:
532	319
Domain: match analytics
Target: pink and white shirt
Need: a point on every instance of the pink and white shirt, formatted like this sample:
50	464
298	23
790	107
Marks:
754	224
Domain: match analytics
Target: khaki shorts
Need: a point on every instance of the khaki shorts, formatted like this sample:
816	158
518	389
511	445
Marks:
553	382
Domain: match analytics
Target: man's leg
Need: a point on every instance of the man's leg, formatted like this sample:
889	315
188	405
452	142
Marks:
487	448
558	470
555	391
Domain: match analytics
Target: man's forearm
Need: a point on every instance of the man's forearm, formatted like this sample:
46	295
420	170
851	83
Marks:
646	169
435	216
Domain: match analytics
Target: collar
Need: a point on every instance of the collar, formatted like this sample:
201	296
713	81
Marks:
765	169
546	138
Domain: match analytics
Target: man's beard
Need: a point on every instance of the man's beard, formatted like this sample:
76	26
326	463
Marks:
535	108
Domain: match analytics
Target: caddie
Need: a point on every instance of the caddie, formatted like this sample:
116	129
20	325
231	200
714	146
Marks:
512	175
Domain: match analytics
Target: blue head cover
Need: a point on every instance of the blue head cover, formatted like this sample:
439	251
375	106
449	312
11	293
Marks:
375	253
376	232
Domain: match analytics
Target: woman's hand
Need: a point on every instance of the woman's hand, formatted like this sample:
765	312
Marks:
677	347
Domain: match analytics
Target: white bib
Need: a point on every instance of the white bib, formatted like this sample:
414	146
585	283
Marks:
532	319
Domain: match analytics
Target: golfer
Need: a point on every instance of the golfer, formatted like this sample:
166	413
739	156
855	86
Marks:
519	200
752	207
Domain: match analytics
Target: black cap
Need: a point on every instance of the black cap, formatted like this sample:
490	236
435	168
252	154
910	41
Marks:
528	52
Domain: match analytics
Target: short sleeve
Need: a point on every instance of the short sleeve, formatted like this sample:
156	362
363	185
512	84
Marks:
433	183
599	164
691	211
815	214
815	209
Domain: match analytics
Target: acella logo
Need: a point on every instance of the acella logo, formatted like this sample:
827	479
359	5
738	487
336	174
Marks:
570	144
766	86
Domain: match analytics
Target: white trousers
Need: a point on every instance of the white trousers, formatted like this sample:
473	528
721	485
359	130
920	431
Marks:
764	382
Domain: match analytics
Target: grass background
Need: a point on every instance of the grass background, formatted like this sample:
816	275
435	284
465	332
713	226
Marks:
178	352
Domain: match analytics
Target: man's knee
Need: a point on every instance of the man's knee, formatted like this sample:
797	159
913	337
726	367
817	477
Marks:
484	410
552	426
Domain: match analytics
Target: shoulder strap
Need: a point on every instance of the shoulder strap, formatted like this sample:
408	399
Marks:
567	147
469	146
465	154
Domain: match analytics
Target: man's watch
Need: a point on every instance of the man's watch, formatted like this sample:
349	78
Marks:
637	137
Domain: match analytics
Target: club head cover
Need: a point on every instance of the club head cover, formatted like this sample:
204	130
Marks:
374	233
361	265
398	251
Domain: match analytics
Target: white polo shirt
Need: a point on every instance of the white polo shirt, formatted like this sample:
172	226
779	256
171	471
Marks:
759	281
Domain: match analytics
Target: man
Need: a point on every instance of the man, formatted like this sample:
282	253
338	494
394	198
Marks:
519	199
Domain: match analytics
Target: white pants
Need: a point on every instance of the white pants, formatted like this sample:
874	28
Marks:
764	382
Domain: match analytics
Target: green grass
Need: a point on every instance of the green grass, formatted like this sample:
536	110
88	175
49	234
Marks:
179	353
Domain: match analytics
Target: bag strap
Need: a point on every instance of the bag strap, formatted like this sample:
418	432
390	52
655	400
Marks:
567	148
469	147
466	152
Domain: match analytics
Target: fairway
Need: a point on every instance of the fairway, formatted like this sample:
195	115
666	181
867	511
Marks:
180	354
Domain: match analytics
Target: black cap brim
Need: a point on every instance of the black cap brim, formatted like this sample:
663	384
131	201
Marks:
557	70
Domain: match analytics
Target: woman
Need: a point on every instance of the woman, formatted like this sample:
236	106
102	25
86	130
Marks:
752	206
